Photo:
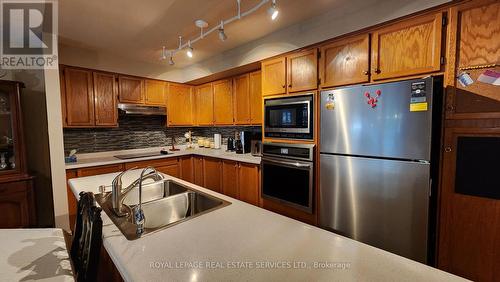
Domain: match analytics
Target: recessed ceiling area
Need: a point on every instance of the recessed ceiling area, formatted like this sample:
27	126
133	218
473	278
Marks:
138	29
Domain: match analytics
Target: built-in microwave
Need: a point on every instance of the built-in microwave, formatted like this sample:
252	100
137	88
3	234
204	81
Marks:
289	117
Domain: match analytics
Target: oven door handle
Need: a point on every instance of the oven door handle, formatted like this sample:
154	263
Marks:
289	163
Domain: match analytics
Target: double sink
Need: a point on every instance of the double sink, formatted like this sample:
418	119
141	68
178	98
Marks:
164	203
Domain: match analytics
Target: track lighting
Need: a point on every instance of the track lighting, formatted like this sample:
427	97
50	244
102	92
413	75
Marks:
189	51
171	59
163	53
222	34
273	11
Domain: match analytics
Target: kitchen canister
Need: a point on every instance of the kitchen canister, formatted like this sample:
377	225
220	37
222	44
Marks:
217	141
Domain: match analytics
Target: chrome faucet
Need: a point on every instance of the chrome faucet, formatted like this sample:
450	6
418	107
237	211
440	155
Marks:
138	212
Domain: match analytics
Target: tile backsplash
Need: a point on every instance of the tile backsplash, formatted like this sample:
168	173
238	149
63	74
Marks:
135	132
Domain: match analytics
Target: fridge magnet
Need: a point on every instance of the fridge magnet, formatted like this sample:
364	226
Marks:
330	102
372	101
465	79
490	77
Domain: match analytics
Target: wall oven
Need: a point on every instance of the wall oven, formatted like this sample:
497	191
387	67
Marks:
289	117
288	174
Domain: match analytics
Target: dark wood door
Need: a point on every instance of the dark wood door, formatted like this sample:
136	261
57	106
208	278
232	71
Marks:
198	171
131	89
302	70
79	97
105	92
469	222
230	179
17	205
248	183
212	174
186	167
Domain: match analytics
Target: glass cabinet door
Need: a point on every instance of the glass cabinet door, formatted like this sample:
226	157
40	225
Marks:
7	148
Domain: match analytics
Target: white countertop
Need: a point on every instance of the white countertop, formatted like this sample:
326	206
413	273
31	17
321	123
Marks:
107	158
34	254
241	242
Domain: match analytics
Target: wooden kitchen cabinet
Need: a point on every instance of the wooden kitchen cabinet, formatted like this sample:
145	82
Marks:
241	87
155	92
180	105
212	174
17	204
473	47
230	179
274	76
131	89
105	93
72	202
78	97
255	81
302	71
198	169
223	102
97	170
249	183
345	61
186	168
204	104
410	47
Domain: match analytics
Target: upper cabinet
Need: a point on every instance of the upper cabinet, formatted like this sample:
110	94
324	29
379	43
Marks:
255	82
302	70
155	92
204	104
105	93
223	102
274	76
131	89
241	90
474	47
78	97
345	61
407	48
88	98
179	105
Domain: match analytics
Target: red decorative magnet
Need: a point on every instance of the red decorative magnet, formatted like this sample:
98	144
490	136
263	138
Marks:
372	101
378	92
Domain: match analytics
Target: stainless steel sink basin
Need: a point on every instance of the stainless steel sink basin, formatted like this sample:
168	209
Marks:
154	191
165	203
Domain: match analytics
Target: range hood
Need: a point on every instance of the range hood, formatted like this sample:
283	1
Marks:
133	109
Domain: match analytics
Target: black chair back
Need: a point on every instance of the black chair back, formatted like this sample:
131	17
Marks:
87	238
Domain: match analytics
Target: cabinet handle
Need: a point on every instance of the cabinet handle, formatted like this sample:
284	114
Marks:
447	149
450	108
366	72
289	86
283	85
377	71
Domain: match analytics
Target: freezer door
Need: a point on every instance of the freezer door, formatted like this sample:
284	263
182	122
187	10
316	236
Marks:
349	125
383	203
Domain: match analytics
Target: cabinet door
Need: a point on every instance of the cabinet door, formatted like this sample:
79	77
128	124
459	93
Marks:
72	202
255	97
105	91
345	62
469	216
230	179
223	102
248	183
180	105
407	48
16	204
205	105
79	97
155	92
474	37
302	71
131	89
212	174
242	99
274	76
97	170
187	168
198	171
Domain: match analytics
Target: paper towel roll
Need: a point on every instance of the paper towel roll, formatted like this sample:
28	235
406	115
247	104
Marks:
217	140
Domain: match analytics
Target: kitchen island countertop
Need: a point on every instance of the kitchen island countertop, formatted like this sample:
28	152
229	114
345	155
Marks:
241	242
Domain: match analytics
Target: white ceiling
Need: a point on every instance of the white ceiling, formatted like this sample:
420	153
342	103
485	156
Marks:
137	29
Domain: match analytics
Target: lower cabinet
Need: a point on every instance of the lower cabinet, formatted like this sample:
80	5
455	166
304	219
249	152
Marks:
241	181
212	174
186	168
17	204
198	169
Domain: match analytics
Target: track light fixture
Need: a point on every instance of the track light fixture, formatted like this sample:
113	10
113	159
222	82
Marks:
189	51
222	34
273	12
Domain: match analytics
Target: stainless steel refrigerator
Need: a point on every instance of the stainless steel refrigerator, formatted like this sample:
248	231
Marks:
378	160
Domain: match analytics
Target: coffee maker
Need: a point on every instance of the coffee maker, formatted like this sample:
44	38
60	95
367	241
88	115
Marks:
243	142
